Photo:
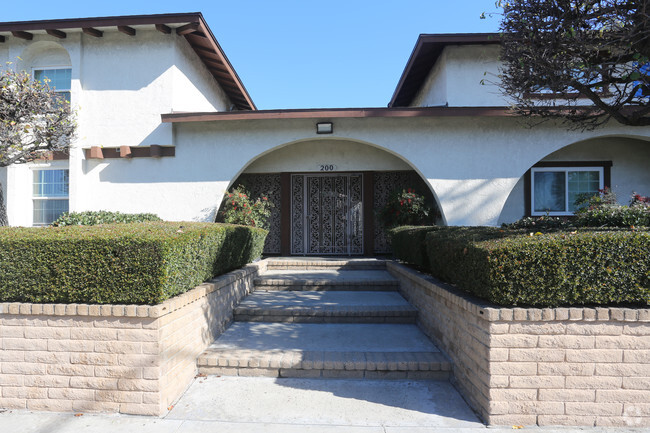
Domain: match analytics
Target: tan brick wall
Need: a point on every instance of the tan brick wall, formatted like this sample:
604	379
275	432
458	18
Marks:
112	358
554	366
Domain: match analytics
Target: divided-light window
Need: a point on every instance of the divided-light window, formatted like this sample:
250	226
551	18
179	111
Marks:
554	190
59	79
50	195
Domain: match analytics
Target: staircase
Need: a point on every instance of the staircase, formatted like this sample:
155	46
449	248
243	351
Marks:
325	318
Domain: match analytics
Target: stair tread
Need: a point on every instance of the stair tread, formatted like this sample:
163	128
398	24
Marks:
324	337
305	300
329	277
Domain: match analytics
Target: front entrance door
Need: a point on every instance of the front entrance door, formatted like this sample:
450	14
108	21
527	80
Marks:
327	214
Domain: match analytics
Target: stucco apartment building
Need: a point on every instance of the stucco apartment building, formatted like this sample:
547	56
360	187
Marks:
166	126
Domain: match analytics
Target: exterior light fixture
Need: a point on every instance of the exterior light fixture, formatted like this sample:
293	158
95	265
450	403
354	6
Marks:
324	128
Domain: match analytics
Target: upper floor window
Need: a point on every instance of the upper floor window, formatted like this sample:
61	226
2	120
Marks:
554	190
50	195
60	79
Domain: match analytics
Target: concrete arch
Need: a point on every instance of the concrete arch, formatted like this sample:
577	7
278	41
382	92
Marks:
43	54
376	150
629	153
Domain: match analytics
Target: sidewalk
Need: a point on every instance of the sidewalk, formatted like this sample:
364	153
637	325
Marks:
246	405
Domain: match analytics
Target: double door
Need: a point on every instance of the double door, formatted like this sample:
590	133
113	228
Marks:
327	214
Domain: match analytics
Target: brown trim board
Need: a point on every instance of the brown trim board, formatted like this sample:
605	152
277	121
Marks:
336	113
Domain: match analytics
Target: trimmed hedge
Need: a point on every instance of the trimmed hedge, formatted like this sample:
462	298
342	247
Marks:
409	244
139	263
91	218
545	270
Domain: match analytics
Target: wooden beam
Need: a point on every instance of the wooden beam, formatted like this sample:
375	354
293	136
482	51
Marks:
126	30
187	28
95	153
163	29
56	33
92	32
23	35
125	152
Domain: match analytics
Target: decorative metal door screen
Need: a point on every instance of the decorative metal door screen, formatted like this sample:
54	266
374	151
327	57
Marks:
327	214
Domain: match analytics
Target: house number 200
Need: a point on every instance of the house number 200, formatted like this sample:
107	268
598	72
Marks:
327	167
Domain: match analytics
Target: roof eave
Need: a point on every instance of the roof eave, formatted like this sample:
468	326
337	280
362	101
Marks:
401	98
337	113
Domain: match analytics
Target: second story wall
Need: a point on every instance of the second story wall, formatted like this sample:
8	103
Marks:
463	76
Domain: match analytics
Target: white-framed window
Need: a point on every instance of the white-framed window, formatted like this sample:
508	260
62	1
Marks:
50	195
60	79
554	190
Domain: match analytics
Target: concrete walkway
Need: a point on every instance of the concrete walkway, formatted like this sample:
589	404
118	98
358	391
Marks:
247	405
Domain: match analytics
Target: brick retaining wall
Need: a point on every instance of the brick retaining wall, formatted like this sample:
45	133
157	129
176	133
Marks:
554	366
112	358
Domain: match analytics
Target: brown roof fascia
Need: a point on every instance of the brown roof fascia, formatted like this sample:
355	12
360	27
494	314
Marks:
420	63
196	27
337	113
124	20
250	105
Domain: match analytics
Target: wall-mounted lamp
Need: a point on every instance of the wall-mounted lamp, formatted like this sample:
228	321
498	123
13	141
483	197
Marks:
324	128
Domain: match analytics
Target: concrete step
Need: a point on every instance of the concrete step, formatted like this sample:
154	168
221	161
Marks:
353	351
363	280
324	263
325	307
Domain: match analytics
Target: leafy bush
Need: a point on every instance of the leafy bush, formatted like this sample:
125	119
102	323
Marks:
409	244
91	218
602	210
140	263
510	267
240	208
406	208
544	223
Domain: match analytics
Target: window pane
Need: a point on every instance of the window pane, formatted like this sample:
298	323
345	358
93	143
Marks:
51	183
47	211
584	182
60	79
549	191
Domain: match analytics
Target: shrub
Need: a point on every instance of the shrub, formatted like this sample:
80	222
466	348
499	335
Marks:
91	218
602	210
140	263
240	208
406	208
545	270
409	244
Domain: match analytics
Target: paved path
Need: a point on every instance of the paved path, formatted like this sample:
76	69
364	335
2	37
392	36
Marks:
247	405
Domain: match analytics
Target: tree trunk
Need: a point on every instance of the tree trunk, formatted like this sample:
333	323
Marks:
3	209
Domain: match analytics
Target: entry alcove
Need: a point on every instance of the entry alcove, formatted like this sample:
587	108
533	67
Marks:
327	195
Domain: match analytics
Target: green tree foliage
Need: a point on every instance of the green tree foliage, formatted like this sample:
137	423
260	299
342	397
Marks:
581	61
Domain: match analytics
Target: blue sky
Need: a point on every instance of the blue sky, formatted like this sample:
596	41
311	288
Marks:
302	53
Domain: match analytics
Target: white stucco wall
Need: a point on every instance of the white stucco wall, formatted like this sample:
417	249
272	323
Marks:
434	90
310	155
472	164
120	86
463	76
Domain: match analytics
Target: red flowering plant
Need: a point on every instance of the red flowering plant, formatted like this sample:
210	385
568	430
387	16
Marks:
406	207
239	208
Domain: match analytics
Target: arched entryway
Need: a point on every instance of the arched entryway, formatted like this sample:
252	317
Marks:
617	162
327	196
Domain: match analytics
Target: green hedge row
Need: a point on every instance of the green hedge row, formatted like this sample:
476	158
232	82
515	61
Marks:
91	218
409	244
139	263
512	268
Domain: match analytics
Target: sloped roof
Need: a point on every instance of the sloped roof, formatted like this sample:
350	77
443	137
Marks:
427	50
191	26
